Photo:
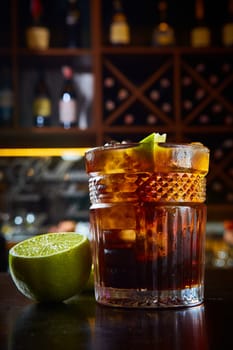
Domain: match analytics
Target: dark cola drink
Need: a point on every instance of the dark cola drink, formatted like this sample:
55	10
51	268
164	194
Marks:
148	222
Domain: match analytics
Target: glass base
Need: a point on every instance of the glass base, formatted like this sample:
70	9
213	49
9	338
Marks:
131	298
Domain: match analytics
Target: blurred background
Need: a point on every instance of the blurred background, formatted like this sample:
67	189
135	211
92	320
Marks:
75	74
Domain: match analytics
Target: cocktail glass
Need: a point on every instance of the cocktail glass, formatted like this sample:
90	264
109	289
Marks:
148	221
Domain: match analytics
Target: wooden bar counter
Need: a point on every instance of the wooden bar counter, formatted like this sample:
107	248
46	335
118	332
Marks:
83	324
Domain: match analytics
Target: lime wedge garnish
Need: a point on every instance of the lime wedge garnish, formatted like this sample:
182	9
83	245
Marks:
156	155
155	137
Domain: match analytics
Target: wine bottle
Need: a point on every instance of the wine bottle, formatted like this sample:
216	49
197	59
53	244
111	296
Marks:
200	34
42	106
119	28
37	34
68	100
72	24
6	98
227	30
163	34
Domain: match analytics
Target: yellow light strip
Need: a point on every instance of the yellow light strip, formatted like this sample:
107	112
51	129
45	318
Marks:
42	152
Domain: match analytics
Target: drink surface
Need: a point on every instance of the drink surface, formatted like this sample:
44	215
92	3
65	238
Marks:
148	157
147	215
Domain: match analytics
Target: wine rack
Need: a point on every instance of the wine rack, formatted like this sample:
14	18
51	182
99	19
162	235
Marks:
144	99
184	90
207	90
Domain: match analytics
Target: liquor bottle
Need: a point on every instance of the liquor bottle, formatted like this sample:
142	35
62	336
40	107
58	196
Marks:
6	98
72	24
163	34
200	34
37	34
42	106
119	27
68	100
227	30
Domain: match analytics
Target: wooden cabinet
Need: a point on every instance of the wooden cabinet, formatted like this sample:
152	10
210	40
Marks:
182	91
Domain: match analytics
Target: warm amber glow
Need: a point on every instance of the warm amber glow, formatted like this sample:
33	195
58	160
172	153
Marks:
163	26
42	152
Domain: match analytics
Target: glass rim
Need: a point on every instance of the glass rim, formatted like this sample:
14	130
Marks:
172	145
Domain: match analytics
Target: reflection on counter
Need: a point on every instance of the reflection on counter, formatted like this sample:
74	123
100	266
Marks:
122	324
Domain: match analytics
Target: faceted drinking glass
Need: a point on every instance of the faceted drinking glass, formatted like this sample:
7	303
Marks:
148	221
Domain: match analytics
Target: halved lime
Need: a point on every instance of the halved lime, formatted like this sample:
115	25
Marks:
52	266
